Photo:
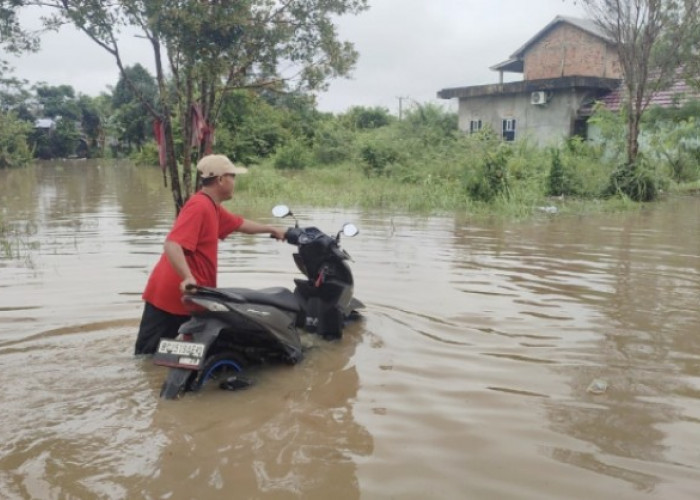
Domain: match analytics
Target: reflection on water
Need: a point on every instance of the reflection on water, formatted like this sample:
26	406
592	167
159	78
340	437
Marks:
467	377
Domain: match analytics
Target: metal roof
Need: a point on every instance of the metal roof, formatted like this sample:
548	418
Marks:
676	95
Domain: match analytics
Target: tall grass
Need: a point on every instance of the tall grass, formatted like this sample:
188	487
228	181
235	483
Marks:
479	175
424	164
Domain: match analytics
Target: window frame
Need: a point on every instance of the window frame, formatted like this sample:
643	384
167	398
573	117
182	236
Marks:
508	129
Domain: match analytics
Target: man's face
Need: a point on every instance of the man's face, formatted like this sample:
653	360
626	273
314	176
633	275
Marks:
227	183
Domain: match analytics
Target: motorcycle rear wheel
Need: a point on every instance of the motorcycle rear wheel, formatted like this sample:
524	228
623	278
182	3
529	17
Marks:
216	366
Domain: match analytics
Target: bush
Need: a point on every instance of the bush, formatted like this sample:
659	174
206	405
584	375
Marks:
577	170
491	178
14	151
292	156
147	155
377	156
361	118
638	181
333	144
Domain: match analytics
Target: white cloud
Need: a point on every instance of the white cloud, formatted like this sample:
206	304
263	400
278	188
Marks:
408	48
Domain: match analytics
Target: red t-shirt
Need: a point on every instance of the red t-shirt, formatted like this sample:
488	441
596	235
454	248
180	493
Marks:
197	229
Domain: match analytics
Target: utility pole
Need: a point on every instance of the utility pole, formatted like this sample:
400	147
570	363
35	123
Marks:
401	100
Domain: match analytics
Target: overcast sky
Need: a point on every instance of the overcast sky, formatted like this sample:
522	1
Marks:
409	49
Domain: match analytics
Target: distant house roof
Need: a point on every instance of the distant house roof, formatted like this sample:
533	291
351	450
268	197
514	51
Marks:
676	95
44	123
514	63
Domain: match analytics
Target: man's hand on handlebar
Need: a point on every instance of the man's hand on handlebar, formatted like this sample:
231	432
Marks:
188	285
278	234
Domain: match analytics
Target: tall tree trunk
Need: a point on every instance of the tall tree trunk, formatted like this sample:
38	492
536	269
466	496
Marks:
170	159
632	138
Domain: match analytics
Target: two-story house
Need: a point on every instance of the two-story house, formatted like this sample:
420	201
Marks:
568	65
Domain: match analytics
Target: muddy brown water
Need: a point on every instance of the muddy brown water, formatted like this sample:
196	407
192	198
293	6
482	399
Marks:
469	376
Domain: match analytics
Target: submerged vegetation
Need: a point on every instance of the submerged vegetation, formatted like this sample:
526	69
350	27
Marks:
423	163
368	158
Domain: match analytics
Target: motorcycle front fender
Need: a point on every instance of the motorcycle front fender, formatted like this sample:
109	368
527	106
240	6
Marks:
175	383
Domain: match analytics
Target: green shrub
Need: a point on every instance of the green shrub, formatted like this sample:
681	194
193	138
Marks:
557	179
639	182
333	144
14	151
294	155
491	178
377	156
147	155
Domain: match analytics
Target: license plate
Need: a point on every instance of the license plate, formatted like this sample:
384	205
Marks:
177	353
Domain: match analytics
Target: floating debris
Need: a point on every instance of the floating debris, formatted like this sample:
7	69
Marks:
598	386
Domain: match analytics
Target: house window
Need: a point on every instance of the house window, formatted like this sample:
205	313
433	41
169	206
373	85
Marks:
474	126
509	129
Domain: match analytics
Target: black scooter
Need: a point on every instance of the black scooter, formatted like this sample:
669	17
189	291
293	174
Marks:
234	328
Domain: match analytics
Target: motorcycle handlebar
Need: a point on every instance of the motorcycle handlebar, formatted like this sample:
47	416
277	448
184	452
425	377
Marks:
292	235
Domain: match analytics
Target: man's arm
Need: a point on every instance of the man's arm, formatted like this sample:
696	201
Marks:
176	257
251	227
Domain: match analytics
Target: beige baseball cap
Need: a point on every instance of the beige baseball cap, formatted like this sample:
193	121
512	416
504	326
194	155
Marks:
217	165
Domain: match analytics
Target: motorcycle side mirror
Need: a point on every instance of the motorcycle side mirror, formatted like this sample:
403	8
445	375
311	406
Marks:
281	211
350	230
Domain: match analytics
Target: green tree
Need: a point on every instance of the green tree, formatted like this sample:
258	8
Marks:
431	123
13	93
90	121
648	35
250	128
58	101
14	151
134	123
363	118
210	48
77	122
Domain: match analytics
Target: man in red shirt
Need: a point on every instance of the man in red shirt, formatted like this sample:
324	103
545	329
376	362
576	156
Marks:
190	251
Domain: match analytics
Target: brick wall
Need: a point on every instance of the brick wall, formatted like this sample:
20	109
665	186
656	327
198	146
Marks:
569	51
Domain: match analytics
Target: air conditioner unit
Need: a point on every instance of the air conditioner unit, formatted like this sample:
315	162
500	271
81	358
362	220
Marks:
538	98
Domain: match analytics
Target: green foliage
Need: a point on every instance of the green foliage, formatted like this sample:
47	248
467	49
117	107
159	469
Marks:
58	101
333	143
577	169
557	179
58	142
639	181
610	129
211	48
378	155
653	39
146	154
676	142
491	178
132	119
363	118
430	123
14	151
292	156
250	128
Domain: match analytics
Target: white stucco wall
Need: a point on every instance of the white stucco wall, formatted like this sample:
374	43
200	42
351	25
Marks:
544	124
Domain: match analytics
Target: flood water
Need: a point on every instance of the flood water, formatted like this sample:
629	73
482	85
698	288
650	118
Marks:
553	359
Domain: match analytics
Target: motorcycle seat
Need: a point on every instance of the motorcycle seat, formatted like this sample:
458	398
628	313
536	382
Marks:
275	296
